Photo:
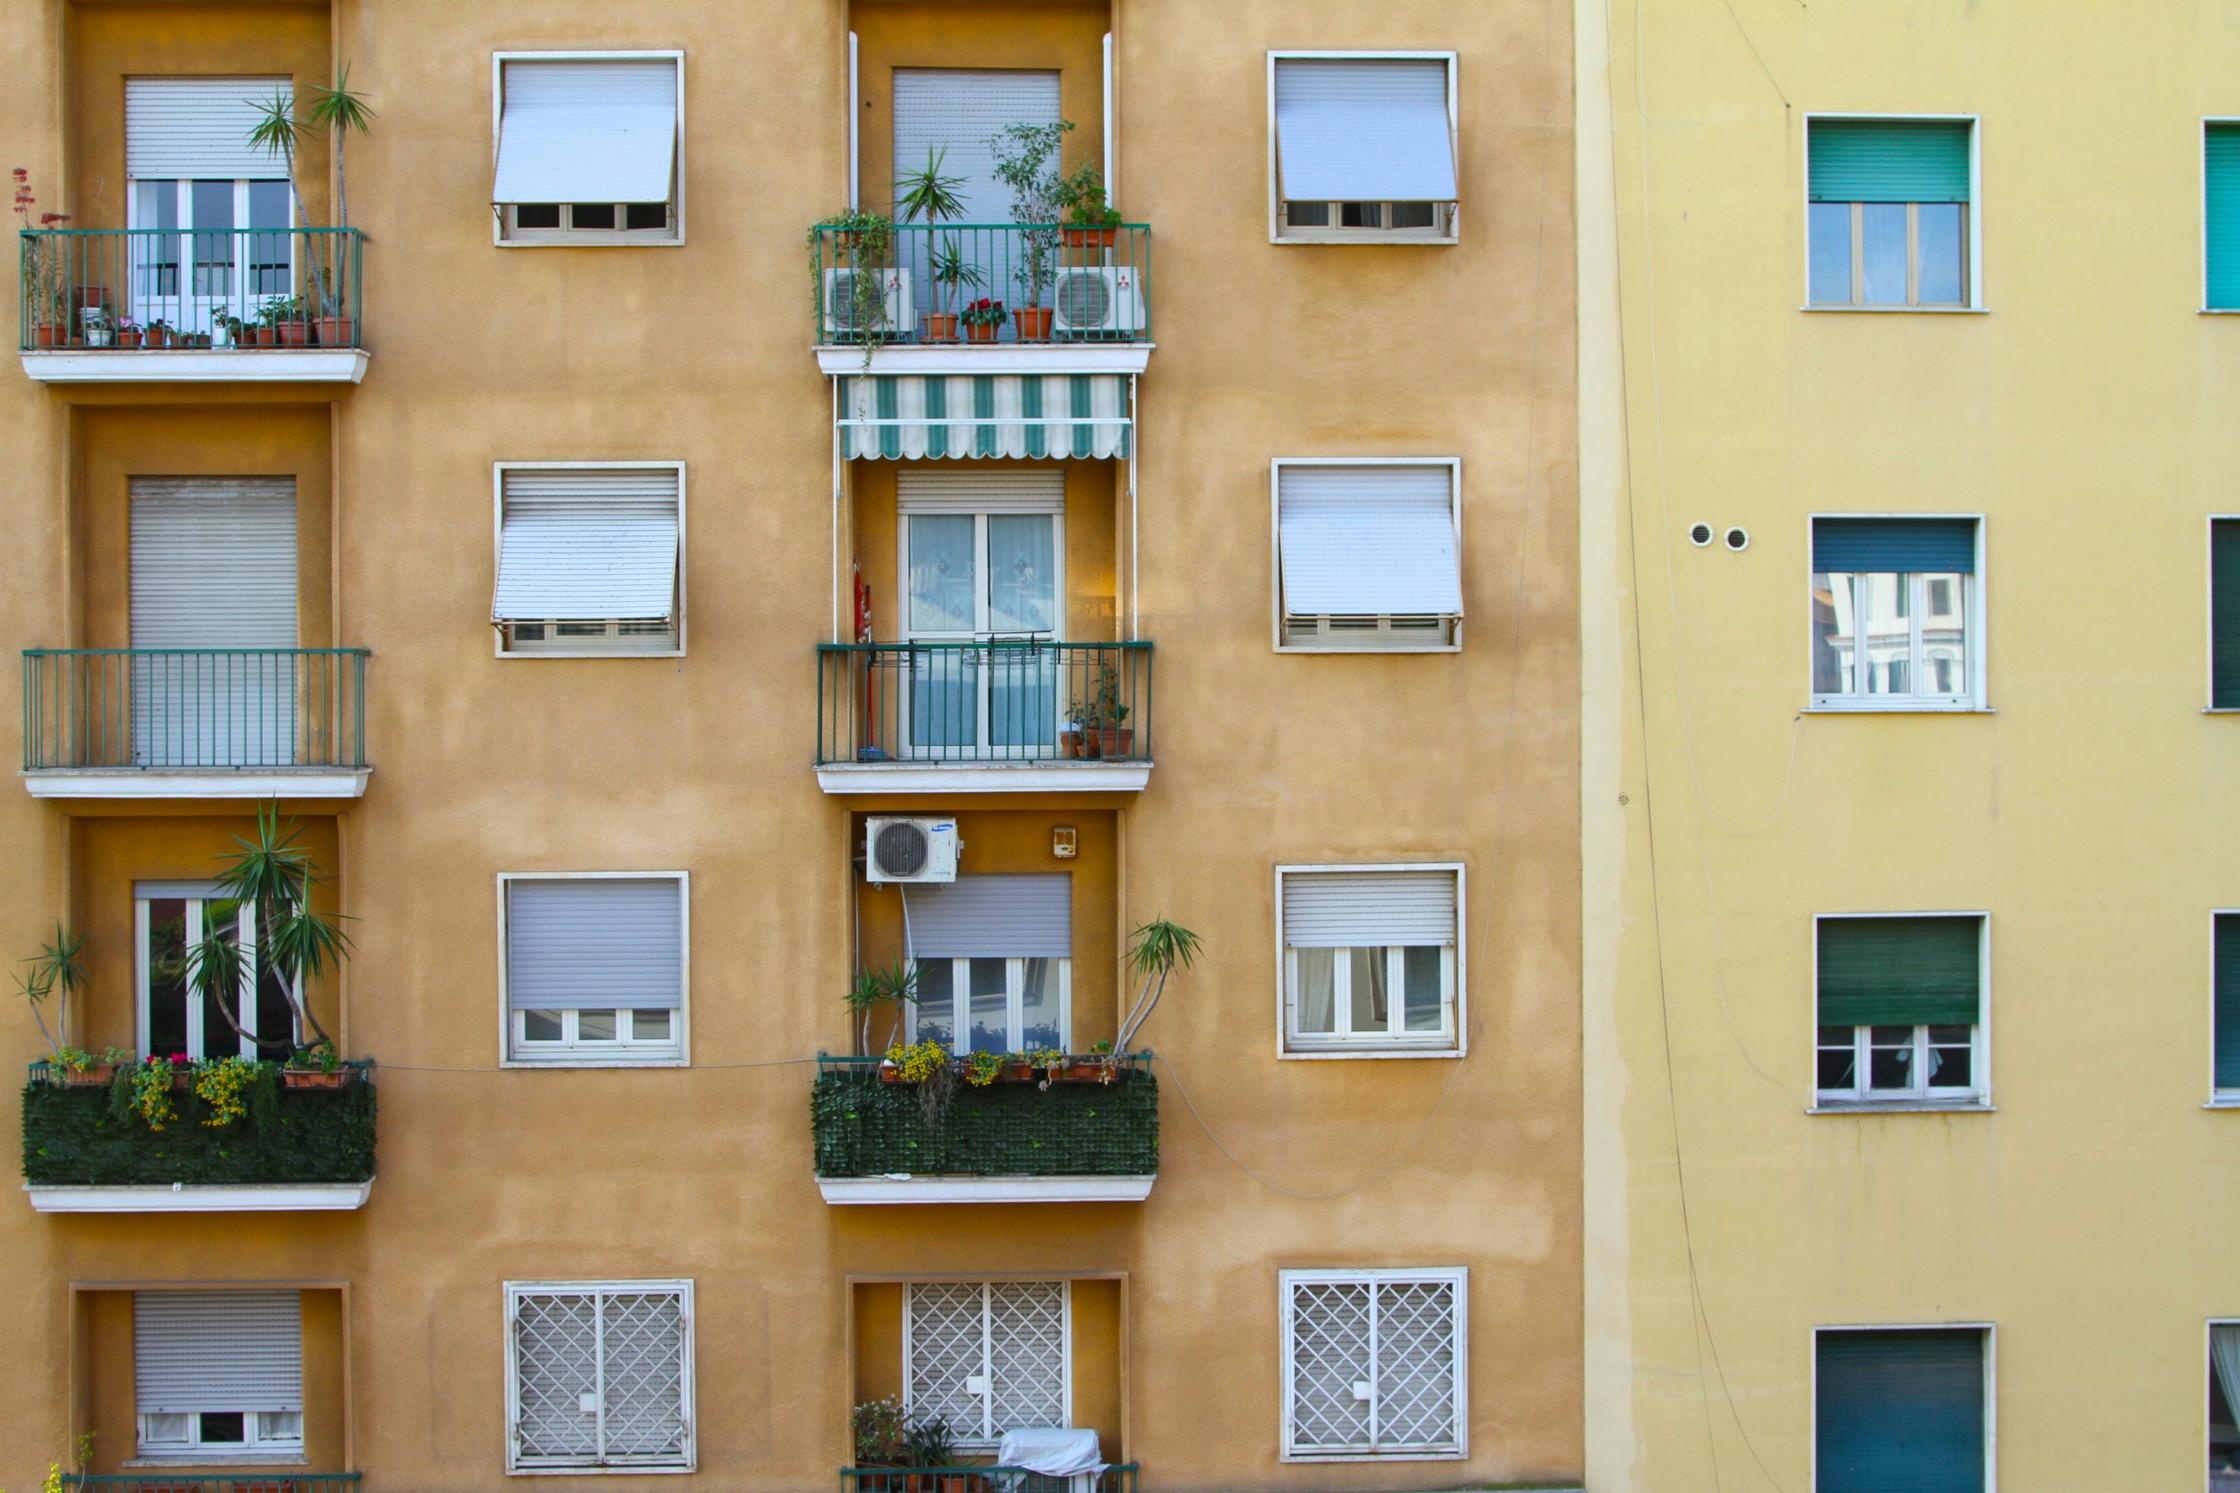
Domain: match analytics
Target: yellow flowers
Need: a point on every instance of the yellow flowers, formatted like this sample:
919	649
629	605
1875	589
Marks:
918	1061
223	1084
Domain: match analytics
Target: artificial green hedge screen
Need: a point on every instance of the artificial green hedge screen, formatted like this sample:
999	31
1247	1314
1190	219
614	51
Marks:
865	1128
72	1138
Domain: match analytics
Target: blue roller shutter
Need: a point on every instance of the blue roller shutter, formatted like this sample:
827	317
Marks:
1899	1411
1890	160
1932	545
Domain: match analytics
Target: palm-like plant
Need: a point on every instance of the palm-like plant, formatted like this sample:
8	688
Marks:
276	132
58	968
275	876
928	194
338	111
952	271
1158	947
897	983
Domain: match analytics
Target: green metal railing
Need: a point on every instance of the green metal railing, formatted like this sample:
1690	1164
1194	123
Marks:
79	1134
1118	1478
159	289
194	708
1006	700
984	284
228	1482
1093	1120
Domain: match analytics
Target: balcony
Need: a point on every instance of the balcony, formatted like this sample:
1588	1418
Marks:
144	723
1090	1135
983	717
983	298
86	1150
157	305
1120	1477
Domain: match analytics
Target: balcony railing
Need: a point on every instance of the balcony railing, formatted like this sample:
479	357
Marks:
1003	701
194	709
195	1482
1118	1478
940	284
77	1134
1091	1122
162	289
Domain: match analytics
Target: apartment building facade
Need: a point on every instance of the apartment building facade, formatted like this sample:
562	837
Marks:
1907	543
645	650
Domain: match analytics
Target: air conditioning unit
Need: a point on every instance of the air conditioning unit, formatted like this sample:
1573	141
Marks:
1100	298
910	850
889	311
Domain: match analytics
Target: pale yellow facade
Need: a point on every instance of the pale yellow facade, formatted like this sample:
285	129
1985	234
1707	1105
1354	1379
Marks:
483	766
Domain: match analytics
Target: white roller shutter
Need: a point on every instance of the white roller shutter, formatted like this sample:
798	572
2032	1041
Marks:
595	941
199	128
1368	541
587	131
1024	916
217	1350
1037	490
1368	909
587	545
1364	130
958	111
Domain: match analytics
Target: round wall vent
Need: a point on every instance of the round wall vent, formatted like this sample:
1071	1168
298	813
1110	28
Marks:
1738	539
1700	535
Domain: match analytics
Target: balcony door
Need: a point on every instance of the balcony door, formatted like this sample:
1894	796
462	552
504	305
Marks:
983	578
958	111
170	918
213	617
210	209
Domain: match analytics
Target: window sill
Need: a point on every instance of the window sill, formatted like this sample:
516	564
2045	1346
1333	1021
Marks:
1380	240
2224	1101
291	1461
573	1061
1902	1107
527	653
1303	1457
2220	710
1922	707
1363	651
1316	1054
1897	310
2220	311
587	242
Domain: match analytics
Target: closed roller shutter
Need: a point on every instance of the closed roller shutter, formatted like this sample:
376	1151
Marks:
587	131
1024	916
2228	1002
199	128
1040	491
955	113
1900	1411
1890	160
1919	545
1365	129
1368	541
2221	212
1368	909
587	545
1900	971
598	942
217	1350
2224	613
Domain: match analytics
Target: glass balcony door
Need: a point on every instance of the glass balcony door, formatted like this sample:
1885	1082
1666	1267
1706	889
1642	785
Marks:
992	581
219	248
175	1015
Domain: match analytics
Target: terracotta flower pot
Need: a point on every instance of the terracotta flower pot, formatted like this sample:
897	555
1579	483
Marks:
295	334
1116	741
264	336
1069	744
889	1073
313	1078
1084	238
1016	1073
92	297
338	331
1079	1071
48	334
128	339
1033	323
164	338
941	326
981	331
96	1077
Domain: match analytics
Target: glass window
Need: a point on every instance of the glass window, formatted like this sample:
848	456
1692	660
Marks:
1830	243
1890	254
999	1004
2224	1407
180	1012
1882	636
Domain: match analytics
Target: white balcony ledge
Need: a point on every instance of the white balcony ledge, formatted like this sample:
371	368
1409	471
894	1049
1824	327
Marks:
904	1188
217	782
983	777
247	365
178	1197
963	357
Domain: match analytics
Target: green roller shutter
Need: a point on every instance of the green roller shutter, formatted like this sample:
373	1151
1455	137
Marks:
2228	1002
1899	1412
1900	971
1889	160
2220	167
1934	546
2224	614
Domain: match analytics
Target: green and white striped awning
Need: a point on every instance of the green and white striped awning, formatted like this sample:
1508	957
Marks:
911	417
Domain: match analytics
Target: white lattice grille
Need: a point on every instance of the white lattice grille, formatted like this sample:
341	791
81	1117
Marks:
1374	1364
987	1356
601	1376
556	1352
644	1355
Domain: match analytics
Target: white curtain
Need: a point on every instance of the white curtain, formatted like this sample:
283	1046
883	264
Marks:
2224	1360
1370	1013
1317	990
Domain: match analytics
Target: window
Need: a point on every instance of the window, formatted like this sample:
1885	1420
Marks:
1900	1009
1896	614
1371	959
2224	1407
1362	147
590	560
171	918
2225	978
599	1375
1374	1364
1901	1408
994	957
988	1356
1891	212
1368	555
590	149
213	209
594	968
2224	614
2220	214
218	1375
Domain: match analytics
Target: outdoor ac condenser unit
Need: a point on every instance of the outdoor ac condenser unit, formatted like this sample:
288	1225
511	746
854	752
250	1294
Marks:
890	310
1100	298
910	850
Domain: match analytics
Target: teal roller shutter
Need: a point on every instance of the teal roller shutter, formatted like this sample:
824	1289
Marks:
1889	160
2224	614
2221	213
1900	971
1934	545
2228	1002
1899	1412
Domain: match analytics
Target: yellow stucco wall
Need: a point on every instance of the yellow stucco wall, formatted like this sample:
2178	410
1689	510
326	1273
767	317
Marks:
2086	415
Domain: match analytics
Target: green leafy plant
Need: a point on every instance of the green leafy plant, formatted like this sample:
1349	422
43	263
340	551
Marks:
277	309
1026	161
1102	707
147	1090
926	1064
927	194
865	241
982	1069
59	970
318	1057
1082	196
339	111
895	985
1154	951
881	1433
928	1442
224	1085
953	273
982	313
79	1060
276	876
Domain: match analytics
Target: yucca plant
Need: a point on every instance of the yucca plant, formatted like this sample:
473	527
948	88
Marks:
275	876
1157	947
58	969
896	984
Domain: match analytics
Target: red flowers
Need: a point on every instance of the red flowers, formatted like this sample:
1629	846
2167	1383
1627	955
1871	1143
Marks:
26	200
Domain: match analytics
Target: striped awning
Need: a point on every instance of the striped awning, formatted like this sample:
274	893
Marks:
912	417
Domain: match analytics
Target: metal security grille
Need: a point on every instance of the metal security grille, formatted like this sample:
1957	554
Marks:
601	1375
1373	1362
988	1356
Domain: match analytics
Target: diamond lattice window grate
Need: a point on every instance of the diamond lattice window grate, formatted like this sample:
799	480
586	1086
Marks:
1373	1366
600	1377
1009	1336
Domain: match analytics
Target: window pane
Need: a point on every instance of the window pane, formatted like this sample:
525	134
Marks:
1944	631
1951	1067
1307	214
1316	997
1370	1008
269	245
1890	1058
649	1026
537	215
279	1425
1943	268
163	1428
1888	636
595	1026
936	1005
155	204
167	976
1412	215
1360	215
990	1009
212	210
540	1026
1829	249
941	580
591	215
646	215
1839	1065
1424	997
1038	1004
221	920
1022	572
222	1426
1882	253
1834	636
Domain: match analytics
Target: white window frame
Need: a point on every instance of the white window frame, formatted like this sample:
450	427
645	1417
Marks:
192	1450
1990	1333
1454	969
1015	983
2219	1098
544	650
1456	1276
968	1440
2201	202
245	997
1447	216
682	1288
1974	288
1974	591
676	1053
981	631
2209	604
502	232
1861	1099
1450	636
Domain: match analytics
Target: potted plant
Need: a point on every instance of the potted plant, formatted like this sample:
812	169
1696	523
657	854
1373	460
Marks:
338	111
1154	950
58	969
983	319
982	1069
128	333
45	302
158	333
92	1070
1090	221
288	316
928	1443
318	1066
925	1064
881	1435
929	196
276	877
897	985
862	241
1026	160
1106	735
225	331
93	320
952	274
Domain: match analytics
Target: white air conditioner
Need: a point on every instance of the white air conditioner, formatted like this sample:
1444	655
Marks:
1100	298
890	311
910	850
